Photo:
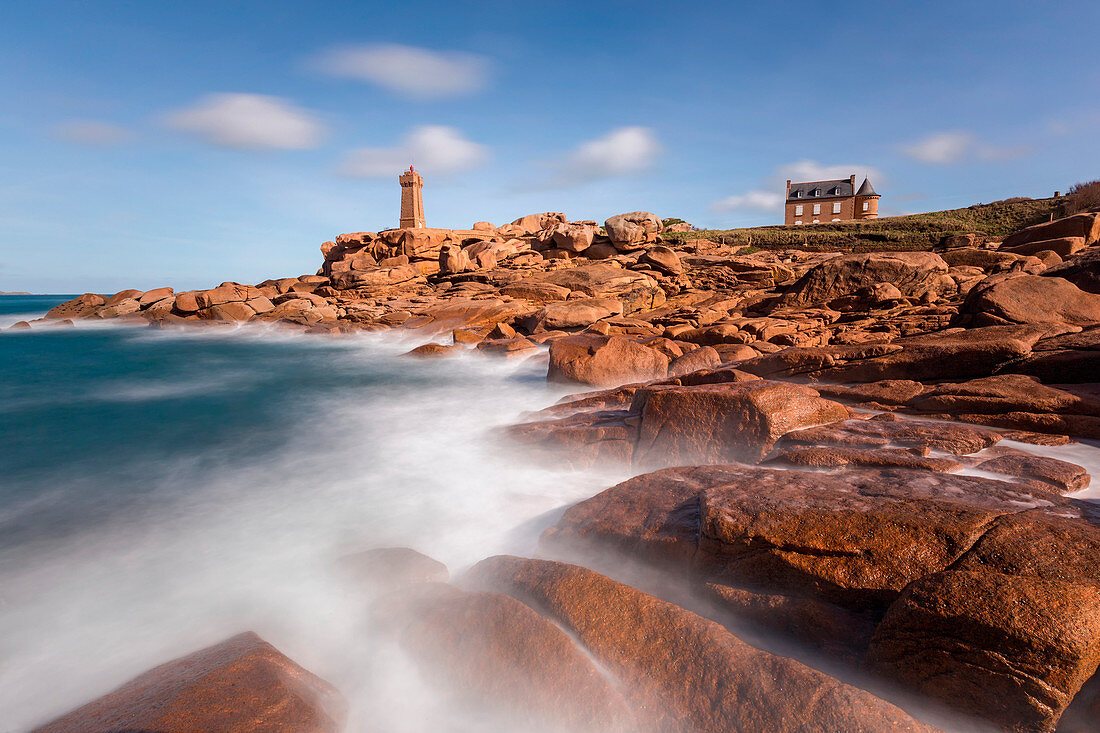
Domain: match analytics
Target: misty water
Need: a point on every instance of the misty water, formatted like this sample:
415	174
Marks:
161	490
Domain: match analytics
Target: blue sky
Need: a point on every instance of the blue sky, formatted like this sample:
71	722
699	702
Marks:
149	143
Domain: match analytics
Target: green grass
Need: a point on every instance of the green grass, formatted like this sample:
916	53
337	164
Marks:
913	232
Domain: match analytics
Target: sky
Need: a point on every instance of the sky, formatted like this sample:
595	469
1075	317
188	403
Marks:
146	143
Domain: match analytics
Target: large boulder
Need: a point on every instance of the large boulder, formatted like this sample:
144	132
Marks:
912	273
385	568
533	223
576	313
1032	299
635	290
375	277
422	243
573	237
989	588
536	292
949	354
604	361
699	674
502	660
1083	270
720	423
242	685
663	259
225	293
81	306
633	230
453	260
1085	225
1062	246
1011	631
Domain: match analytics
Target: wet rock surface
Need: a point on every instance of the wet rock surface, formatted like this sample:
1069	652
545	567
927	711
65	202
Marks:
241	685
696	672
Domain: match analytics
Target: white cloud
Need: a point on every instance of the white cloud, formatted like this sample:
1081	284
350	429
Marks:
249	121
435	149
91	132
954	147
408	70
624	151
751	201
811	170
942	147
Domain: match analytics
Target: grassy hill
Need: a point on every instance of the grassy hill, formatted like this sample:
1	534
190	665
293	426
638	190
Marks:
913	232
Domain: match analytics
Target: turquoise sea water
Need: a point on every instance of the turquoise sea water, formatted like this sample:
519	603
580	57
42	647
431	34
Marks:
163	489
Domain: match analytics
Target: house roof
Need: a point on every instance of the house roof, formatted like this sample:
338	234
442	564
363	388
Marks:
828	189
866	189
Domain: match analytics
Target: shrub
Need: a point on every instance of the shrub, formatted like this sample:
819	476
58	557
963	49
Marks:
1083	197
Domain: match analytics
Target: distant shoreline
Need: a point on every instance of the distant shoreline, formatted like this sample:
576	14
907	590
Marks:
3	292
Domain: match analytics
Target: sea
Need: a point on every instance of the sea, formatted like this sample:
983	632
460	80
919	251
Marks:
164	489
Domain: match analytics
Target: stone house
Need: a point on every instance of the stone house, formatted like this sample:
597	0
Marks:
819	202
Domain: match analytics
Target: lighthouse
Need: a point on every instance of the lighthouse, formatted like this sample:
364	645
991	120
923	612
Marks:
412	201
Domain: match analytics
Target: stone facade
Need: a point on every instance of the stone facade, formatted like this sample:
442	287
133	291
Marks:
412	201
820	202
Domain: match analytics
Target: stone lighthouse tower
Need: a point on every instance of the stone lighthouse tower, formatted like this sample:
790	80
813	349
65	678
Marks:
412	201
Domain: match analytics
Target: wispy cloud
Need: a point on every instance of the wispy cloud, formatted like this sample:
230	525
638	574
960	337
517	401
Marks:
408	70
250	121
92	132
945	148
942	147
625	151
433	148
751	201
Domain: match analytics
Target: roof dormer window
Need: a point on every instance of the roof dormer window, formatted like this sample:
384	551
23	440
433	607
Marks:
816	192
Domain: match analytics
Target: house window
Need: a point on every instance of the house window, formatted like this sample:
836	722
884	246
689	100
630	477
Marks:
798	222
816	221
836	219
796	194
865	205
798	210
816	192
836	207
817	208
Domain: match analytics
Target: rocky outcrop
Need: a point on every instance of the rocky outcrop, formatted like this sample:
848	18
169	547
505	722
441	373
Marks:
720	423
1083	270
973	578
907	534
242	685
1086	226
632	230
913	274
1032	299
702	676
604	361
